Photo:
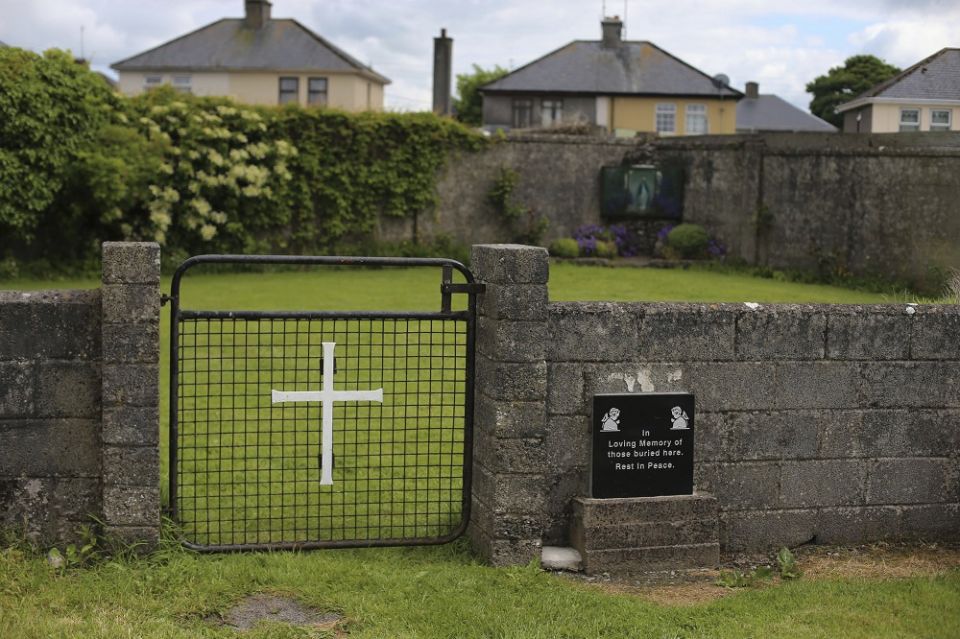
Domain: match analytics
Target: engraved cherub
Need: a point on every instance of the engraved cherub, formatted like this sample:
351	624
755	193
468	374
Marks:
611	421
680	419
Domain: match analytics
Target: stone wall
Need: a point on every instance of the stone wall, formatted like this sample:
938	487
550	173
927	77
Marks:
869	204
79	420
834	424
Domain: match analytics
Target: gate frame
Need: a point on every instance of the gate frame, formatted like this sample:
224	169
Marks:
447	289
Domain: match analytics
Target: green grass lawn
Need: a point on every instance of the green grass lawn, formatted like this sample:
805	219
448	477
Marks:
419	592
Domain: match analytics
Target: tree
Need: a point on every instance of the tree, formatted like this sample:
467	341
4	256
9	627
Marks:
842	84
469	103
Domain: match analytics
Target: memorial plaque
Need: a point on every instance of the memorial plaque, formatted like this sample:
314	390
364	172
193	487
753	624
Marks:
642	445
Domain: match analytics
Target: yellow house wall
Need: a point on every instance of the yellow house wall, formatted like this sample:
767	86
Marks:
639	114
344	91
886	117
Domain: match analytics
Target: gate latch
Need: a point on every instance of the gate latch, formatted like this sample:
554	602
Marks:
448	288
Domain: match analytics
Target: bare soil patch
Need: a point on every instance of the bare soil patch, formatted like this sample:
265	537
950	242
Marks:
874	561
250	611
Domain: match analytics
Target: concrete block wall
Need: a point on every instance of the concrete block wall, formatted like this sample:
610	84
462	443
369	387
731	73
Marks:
826	423
79	420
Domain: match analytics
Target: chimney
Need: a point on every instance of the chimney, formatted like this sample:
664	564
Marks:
442	73
257	13
753	90
612	32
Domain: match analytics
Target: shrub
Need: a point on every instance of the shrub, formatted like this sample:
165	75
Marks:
565	247
606	249
688	241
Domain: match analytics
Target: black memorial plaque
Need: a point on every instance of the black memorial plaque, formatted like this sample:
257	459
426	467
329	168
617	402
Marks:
642	445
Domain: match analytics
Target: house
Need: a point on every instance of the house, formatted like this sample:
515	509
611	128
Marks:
624	87
925	97
257	59
766	113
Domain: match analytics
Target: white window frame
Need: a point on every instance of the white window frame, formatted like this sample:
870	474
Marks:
152	81
551	111
663	113
182	83
696	113
941	126
316	97
909	126
293	95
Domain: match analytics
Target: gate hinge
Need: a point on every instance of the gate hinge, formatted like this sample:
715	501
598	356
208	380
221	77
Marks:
164	299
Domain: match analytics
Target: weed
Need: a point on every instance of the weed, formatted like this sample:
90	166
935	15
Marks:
787	564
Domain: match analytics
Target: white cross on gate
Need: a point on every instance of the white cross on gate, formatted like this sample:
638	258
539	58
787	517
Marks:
327	396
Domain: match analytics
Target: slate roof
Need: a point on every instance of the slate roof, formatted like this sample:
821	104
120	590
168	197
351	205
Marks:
768	112
933	78
229	45
633	67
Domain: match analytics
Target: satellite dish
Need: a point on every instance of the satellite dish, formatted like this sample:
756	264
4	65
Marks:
721	80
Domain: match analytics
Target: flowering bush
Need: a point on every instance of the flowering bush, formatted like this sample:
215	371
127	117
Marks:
625	240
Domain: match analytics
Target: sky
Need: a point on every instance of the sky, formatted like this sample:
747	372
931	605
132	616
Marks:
778	44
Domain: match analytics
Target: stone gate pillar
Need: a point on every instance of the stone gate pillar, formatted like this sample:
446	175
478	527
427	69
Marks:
509	465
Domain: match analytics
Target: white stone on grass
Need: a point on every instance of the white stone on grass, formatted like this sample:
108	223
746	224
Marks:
559	558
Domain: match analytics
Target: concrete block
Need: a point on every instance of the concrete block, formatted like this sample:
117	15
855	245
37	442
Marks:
724	386
525	302
49	448
131	466
911	481
627	561
766	530
49	324
595	513
132	425
512	381
893	433
131	303
936	334
512	341
564	488
510	264
567	444
513	455
857	525
872	335
505	525
514	493
132	343
565	390
503	552
131	385
17	389
680	332
910	385
510	418
664	533
742	485
593	332
68	389
933	522
822	483
805	385
131	506
131	263
710	431
786	333
771	435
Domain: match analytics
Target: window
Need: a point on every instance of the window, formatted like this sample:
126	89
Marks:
181	83
666	118
522	113
940	119
909	119
697	119
551	112
316	91
152	81
289	90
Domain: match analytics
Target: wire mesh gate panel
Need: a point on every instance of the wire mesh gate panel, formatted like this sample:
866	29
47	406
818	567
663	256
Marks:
307	429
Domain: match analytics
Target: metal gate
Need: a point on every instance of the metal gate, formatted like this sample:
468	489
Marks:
311	429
